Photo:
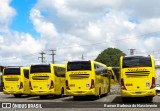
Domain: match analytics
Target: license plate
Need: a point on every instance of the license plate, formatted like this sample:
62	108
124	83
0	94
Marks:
11	91
72	85
79	91
40	91
138	92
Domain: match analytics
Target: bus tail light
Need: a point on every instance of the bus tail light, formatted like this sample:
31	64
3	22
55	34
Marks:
92	84
30	85
67	86
153	83
52	85
122	85
21	85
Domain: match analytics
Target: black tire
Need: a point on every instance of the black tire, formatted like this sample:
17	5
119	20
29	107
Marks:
62	92
43	97
124	99
149	99
17	95
76	98
99	95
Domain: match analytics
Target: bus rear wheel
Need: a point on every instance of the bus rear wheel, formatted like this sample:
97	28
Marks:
43	97
124	99
149	99
76	97
62	92
17	95
99	94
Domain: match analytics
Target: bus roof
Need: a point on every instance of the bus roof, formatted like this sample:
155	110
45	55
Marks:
47	64
77	60
143	55
13	67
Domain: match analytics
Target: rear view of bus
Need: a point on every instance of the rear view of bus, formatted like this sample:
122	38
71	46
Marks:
137	77
16	81
85	78
47	79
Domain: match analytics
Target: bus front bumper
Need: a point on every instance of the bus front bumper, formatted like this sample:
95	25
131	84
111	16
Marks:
141	93
42	92
80	93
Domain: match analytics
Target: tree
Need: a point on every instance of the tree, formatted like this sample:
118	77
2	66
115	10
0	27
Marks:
110	57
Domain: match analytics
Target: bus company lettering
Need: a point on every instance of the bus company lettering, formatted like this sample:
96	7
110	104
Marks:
132	70
79	72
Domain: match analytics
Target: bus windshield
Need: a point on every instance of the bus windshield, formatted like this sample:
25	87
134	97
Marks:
12	71
137	61
40	69
79	65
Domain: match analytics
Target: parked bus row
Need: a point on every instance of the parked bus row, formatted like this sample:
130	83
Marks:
136	76
76	78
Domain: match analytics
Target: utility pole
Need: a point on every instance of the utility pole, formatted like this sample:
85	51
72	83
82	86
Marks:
42	56
82	57
132	51
53	54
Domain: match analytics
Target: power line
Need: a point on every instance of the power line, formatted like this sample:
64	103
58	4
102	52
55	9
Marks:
82	57
87	45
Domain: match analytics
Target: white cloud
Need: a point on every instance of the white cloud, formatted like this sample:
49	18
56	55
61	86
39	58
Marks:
43	27
1	39
6	15
69	25
87	22
94	30
17	46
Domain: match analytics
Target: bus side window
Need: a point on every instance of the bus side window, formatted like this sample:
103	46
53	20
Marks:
26	73
63	72
59	71
104	71
97	69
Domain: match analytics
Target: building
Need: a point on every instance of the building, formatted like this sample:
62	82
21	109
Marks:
157	62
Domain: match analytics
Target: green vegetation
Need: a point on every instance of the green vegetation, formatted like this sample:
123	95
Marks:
110	57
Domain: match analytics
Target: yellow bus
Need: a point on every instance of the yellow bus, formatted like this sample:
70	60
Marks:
84	78
113	72
16	81
47	79
137	76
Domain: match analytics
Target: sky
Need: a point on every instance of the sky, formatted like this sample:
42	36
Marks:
76	27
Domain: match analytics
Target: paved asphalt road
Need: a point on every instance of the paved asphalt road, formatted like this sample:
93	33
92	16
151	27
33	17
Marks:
110	102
